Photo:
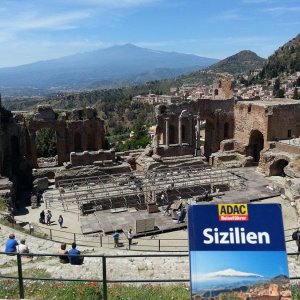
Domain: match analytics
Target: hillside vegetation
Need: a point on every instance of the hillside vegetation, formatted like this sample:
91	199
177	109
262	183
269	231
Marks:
239	63
286	59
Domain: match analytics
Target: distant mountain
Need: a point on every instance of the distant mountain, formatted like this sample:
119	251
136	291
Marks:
114	66
286	59
241	62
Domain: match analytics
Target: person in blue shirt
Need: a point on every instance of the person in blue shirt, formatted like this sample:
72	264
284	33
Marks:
75	260
11	244
116	237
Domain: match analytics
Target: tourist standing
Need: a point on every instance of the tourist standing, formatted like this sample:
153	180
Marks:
48	217
130	237
42	217
60	221
116	237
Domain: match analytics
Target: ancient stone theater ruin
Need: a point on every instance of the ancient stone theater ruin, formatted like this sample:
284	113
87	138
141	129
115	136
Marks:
201	150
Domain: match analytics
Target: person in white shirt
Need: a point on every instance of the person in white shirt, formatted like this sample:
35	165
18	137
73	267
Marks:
22	248
130	237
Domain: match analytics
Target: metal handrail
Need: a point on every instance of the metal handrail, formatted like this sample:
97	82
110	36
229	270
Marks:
104	279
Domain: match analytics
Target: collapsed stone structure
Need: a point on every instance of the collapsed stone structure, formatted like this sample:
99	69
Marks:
237	133
79	140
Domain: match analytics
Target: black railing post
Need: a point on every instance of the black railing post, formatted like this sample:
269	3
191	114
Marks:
50	234
104	284
74	238
159	245
100	240
20	277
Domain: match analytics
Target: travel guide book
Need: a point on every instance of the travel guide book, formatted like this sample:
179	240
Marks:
237	251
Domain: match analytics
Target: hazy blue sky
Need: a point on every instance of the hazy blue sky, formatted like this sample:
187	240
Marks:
32	30
265	263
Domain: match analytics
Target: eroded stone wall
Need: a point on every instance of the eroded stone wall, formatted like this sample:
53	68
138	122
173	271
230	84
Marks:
78	131
90	157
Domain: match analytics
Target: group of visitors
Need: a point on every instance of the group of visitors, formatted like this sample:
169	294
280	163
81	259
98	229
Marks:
116	237
12	246
45	218
70	256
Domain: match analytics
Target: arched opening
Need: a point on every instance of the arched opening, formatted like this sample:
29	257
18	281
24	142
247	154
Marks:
183	134
172	134
256	144
77	142
277	168
46	147
216	92
220	84
226	130
91	142
209	135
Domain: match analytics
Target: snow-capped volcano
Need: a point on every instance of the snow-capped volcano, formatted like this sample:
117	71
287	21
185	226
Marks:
231	273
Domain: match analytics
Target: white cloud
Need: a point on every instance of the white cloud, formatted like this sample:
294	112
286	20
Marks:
282	9
30	21
231	273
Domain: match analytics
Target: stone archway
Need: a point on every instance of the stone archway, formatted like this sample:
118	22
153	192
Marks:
226	131
46	147
77	142
172	134
256	144
277	167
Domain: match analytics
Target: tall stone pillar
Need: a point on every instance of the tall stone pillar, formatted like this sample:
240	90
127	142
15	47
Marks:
198	133
179	131
190	130
167	132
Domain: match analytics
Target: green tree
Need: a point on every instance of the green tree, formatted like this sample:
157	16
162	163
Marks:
280	94
46	142
296	95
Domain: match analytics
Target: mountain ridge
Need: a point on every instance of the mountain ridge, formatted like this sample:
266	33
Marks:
113	63
238	63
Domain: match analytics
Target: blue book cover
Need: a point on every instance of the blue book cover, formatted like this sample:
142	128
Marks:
237	251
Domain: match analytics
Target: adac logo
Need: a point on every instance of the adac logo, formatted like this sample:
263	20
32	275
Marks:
233	212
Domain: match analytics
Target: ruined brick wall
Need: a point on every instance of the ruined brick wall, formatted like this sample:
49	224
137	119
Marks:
88	158
12	145
284	121
249	117
287	148
219	122
222	89
218	115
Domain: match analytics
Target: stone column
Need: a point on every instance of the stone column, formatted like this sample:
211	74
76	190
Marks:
198	133
190	130
167	132
179	131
